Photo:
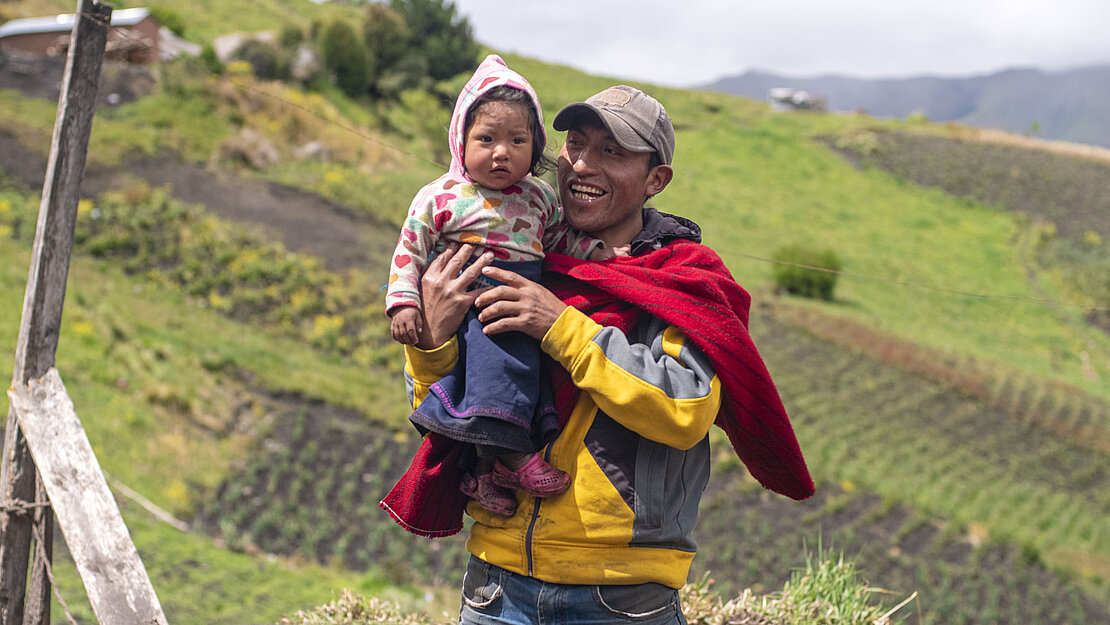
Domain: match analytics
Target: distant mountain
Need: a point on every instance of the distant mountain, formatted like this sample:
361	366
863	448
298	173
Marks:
1072	105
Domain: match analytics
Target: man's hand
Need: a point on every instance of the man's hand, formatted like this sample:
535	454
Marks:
519	304
443	290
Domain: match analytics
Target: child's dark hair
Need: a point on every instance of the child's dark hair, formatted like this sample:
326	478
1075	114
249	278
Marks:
541	163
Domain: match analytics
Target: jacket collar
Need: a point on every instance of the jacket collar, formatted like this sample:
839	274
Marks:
661	229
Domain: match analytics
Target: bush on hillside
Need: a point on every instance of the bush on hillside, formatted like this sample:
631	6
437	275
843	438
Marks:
267	61
1087	267
290	36
398	64
170	19
233	271
439	35
797	277
410	73
210	60
386	35
346	58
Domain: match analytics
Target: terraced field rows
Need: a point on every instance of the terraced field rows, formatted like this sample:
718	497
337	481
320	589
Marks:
929	490
915	442
312	489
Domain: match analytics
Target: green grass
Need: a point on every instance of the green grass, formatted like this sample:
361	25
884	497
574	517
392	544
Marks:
207	19
786	189
878	428
200	581
167	393
828	591
174	395
758	181
164	387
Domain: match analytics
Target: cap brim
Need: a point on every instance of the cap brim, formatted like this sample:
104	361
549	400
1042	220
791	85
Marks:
628	138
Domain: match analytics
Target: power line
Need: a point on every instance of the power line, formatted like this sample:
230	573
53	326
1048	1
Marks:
339	125
245	87
858	276
930	287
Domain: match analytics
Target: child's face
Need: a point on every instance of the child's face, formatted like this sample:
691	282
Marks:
498	149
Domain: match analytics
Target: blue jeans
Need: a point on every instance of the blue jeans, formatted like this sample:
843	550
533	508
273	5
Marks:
495	394
494	596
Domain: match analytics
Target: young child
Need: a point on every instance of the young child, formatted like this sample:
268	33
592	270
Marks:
490	197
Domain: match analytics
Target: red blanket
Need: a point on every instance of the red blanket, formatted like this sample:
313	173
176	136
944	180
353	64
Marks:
684	284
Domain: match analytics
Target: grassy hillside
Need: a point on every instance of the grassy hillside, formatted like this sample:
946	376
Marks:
758	181
204	20
960	442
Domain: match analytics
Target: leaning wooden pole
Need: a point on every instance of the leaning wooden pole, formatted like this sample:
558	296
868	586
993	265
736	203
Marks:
45	295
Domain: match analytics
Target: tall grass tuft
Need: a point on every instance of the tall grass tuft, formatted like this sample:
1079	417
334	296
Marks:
828	591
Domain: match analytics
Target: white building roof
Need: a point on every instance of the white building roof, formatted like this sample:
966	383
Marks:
64	23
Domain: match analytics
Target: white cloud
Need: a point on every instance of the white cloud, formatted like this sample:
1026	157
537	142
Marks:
696	41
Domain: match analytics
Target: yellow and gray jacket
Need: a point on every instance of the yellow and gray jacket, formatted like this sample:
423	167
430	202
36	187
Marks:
636	446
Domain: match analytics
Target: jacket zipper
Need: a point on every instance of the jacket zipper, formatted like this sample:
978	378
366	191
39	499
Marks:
535	517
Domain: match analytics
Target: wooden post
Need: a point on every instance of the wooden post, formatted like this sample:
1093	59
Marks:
42	303
37	610
115	579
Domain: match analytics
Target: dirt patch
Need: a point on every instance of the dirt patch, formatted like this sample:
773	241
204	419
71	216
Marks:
36	76
21	164
40	76
303	222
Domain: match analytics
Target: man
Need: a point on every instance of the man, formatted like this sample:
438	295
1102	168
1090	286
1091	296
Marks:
636	370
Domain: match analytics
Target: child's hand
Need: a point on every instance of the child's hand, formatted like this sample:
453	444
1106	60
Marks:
406	325
601	253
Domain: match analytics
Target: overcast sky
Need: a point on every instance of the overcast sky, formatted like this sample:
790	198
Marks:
692	42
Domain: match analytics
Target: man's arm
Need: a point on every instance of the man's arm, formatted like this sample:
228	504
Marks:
664	389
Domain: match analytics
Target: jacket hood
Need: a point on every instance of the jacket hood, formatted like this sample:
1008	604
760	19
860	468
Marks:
493	72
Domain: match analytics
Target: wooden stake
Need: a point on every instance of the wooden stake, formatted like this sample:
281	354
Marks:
115	579
42	303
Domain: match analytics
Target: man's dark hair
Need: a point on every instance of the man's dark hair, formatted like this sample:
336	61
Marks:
654	161
541	163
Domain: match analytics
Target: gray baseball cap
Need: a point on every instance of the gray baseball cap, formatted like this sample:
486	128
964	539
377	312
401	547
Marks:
636	120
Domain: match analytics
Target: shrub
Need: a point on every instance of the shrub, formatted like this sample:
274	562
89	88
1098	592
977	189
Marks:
386	35
267	61
797	277
410	73
210	60
440	35
290	36
346	58
231	270
170	19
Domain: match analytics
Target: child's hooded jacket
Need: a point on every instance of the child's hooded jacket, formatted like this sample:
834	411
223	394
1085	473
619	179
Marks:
517	223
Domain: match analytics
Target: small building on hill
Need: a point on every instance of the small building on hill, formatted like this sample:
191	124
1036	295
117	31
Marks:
135	37
789	99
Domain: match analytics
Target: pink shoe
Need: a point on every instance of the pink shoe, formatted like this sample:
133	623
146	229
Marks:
489	495
536	477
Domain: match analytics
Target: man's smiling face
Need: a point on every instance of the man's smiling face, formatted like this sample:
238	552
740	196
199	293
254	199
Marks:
602	185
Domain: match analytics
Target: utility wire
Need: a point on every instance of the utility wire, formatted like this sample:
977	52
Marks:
930	287
1017	298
